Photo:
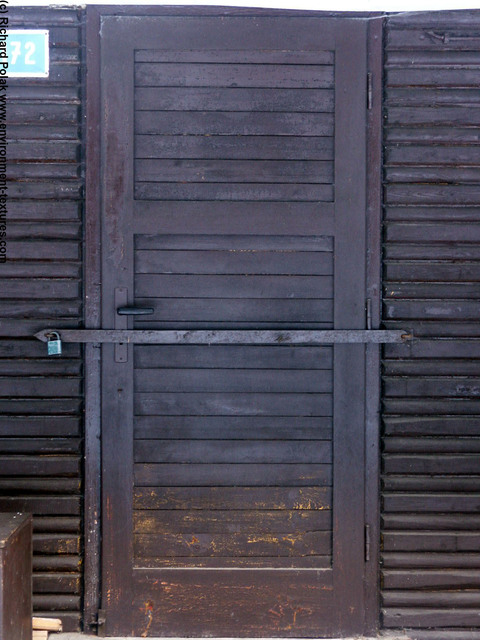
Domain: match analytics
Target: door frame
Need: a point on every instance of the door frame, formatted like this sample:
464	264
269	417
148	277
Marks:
92	300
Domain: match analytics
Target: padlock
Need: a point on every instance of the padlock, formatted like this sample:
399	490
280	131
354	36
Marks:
54	344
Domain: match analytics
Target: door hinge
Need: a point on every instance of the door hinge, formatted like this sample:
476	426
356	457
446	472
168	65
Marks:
367	543
368	310
369	91
99	621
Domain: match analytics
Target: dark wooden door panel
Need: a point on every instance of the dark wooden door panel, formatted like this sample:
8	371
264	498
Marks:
234	199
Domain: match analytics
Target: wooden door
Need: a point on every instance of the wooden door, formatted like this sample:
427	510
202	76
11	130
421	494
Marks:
233	173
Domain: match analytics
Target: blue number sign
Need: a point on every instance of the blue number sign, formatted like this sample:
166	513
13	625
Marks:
27	53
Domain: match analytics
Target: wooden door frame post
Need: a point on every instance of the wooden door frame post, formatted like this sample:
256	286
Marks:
92	318
374	295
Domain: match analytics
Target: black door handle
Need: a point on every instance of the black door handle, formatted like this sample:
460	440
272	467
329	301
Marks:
134	311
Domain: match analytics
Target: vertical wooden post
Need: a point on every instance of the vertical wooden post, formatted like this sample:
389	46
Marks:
92	316
372	413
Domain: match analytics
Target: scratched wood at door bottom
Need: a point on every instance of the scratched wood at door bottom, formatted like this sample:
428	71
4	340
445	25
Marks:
180	602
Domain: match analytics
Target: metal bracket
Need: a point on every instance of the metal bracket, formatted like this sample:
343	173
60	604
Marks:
121	323
99	622
124	337
369	91
367	543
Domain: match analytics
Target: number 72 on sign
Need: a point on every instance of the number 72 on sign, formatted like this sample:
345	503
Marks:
27	53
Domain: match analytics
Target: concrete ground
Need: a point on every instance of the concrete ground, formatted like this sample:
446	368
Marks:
80	636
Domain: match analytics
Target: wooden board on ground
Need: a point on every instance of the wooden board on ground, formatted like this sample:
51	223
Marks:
46	624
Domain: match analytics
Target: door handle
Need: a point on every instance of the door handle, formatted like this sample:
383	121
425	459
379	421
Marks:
134	311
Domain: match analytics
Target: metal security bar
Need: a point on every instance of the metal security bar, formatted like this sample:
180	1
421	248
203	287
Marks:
340	336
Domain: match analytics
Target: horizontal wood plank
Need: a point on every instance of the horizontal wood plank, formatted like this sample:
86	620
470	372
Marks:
242	192
445	77
431	541
432	426
226	404
38	505
233	99
241	56
40	466
211	498
232	428
227	123
37	426
446	464
432	578
237	75
437	484
432	445
429	270
445	599
56	583
430	617
153	241
235	357
425	503
432	521
461	386
239	171
238	452
240	147
178	547
238	310
238	475
253	262
204	286
431	560
228	380
246	522
237	562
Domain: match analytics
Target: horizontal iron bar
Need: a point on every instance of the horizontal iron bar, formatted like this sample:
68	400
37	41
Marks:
341	336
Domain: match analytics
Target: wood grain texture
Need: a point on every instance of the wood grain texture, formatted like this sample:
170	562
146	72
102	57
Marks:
212	498
222	214
233	98
240	475
233	428
40	429
431	488
253	604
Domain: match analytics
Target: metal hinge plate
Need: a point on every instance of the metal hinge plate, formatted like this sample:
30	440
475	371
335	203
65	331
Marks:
367	543
99	622
369	91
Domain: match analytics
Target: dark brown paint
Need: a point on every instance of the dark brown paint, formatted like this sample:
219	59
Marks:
430	474
180	202
41	423
16	576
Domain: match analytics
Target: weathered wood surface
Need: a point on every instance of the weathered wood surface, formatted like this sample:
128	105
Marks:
15	574
228	233
431	488
252	601
41	402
